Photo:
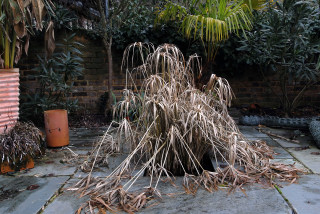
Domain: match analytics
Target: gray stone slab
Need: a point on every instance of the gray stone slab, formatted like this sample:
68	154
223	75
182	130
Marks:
68	202
308	158
51	163
251	132
268	140
288	144
281	153
256	200
290	162
174	200
23	201
304	196
113	163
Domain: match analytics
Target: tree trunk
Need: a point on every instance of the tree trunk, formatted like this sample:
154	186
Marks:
107	41
110	77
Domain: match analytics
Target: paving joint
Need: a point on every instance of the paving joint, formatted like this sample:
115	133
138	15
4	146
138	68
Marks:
57	193
294	211
294	157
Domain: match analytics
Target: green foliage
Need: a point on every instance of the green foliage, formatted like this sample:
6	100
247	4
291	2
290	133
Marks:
141	27
64	18
286	39
211	21
55	76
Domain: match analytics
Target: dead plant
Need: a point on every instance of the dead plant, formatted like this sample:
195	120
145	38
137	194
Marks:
22	140
175	126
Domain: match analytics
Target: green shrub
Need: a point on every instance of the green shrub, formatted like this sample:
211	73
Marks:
55	76
285	41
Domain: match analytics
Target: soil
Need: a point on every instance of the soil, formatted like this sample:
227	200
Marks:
6	194
88	120
302	111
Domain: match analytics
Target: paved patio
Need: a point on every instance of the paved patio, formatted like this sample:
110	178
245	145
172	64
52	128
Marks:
43	189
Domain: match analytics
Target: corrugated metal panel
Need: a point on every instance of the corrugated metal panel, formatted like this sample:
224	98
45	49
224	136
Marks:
9	98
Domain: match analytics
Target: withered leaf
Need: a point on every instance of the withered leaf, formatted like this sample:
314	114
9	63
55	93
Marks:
26	45
33	187
38	11
49	39
302	148
20	29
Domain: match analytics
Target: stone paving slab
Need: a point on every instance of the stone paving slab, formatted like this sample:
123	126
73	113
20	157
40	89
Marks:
23	201
268	140
68	202
304	196
312	161
251	132
174	200
113	163
51	163
287	144
255	200
281	153
291	161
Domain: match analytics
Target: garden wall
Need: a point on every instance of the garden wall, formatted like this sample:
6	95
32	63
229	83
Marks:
249	88
89	88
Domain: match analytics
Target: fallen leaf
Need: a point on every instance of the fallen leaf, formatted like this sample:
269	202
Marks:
32	187
302	148
49	162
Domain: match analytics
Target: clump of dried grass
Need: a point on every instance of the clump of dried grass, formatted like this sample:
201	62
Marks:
24	139
176	126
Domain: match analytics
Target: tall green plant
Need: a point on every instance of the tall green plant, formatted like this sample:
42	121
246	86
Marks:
18	19
286	39
211	21
56	76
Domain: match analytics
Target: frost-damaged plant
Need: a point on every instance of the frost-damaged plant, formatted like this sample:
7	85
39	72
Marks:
176	126
23	140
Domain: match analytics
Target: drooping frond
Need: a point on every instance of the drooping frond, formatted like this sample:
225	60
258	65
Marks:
211	22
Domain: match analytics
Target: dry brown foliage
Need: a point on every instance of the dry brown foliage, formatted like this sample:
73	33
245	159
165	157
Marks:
175	126
24	139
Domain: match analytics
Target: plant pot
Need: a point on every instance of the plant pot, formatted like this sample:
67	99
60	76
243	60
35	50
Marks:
26	163
9	98
57	130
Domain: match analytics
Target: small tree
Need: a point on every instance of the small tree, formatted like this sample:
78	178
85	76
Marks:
113	14
286	39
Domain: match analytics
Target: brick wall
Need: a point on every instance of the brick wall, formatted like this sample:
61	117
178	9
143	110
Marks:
89	87
248	87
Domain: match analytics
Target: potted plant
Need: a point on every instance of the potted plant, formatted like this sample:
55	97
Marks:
18	20
56	75
19	146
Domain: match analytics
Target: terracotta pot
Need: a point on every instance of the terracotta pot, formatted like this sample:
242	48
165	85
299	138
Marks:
26	163
9	98
56	125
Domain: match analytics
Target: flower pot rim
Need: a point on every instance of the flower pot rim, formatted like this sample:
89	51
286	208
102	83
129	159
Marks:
14	70
54	110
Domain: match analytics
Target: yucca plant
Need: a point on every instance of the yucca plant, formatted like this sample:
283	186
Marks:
176	126
18	19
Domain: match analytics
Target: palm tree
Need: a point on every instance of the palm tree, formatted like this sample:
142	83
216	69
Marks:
212	21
